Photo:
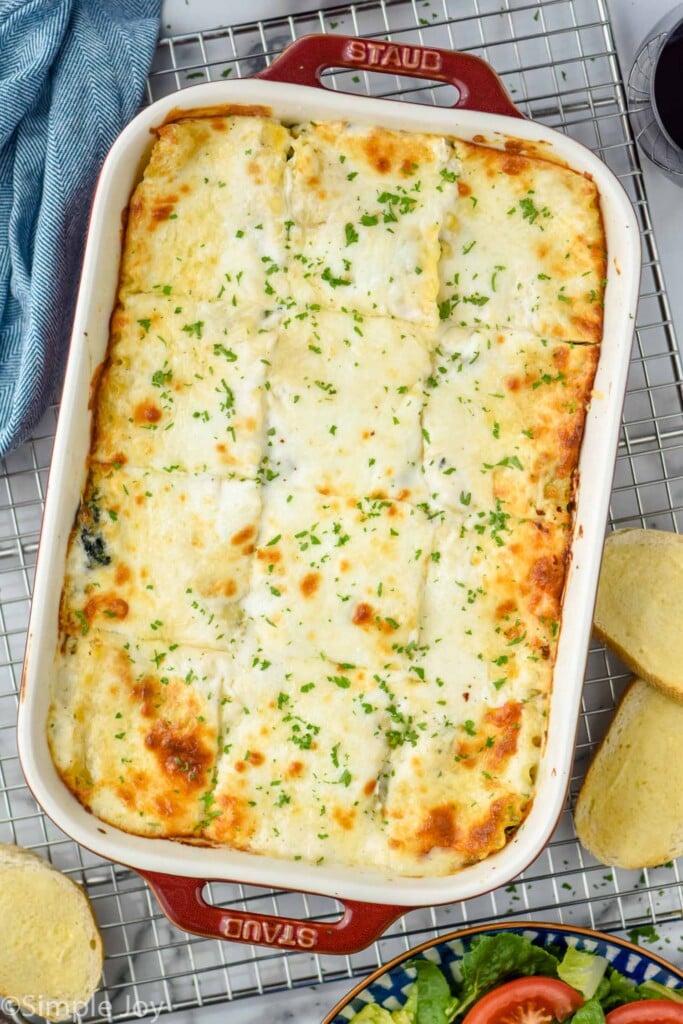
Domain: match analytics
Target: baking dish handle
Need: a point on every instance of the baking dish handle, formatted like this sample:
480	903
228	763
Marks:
479	87
182	900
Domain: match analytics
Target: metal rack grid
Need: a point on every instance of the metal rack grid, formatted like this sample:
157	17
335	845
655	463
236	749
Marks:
559	63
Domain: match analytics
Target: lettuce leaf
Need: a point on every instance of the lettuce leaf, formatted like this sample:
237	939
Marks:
590	1013
583	971
653	990
372	1014
433	993
493	959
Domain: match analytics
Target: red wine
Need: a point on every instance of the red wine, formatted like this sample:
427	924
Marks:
668	86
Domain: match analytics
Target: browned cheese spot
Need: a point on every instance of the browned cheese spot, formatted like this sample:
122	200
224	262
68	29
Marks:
505	721
106	604
146	412
164	807
495	741
243	535
363	614
119	321
270	555
506	608
181	754
254	170
489	833
570	442
122	574
253	760
309	584
344	817
515	165
561	358
589	327
439	828
163	208
126	794
145	691
380	151
232	824
547	573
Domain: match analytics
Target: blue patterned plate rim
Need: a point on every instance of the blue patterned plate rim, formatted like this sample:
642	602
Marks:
388	985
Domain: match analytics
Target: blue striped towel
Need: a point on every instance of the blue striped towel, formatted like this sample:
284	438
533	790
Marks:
72	73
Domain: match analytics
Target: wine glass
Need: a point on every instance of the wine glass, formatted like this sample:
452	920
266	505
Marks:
655	95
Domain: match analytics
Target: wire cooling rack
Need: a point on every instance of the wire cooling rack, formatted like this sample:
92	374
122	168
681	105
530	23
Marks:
559	63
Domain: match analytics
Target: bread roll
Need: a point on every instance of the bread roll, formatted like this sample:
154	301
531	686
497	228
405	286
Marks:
51	950
630	809
639	608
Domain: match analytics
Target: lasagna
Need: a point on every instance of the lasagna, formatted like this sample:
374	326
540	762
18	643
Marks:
313	590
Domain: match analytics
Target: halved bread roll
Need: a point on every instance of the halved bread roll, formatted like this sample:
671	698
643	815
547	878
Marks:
639	607
629	812
51	950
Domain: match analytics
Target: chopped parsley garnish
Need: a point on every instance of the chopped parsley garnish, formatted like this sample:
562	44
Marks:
351	234
195	330
334	282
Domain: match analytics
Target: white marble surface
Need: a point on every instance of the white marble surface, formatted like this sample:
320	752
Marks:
631	21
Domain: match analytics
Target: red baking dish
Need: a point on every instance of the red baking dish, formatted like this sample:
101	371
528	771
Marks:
291	87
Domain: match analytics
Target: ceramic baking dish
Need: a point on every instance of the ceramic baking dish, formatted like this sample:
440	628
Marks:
291	89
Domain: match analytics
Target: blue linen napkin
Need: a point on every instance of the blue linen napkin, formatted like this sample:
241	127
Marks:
72	73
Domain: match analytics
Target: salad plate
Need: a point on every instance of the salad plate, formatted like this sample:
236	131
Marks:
474	962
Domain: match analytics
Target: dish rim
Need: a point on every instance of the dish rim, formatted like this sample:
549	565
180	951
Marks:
335	880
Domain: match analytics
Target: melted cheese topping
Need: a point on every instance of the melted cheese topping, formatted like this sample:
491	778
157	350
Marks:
523	248
192	229
134	729
336	578
366	205
313	591
182	389
524	402
119	576
319	439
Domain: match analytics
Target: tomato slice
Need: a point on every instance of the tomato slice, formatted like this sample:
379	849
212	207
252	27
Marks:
535	1000
647	1011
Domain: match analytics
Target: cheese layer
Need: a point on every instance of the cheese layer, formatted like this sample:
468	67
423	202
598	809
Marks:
523	248
313	590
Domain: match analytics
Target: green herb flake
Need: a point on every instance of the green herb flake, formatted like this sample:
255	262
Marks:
195	330
351	234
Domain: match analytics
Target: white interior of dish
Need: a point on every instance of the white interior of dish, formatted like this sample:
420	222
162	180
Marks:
120	173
